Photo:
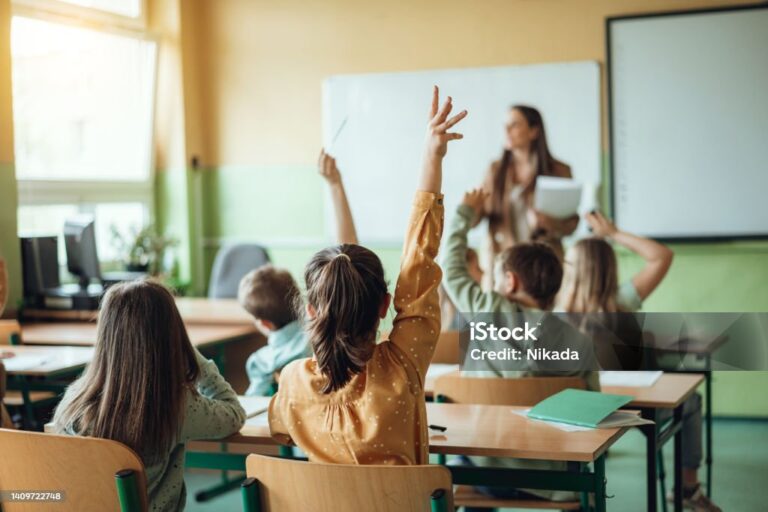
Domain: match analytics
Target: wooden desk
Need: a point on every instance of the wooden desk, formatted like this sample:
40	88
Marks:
192	309
84	333
57	360
491	430
212	311
669	392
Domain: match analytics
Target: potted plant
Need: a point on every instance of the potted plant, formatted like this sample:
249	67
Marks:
142	250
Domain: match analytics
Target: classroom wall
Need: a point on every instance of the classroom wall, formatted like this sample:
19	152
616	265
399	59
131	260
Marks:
262	66
9	242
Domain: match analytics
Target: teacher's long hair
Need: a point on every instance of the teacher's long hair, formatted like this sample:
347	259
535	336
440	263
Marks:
545	164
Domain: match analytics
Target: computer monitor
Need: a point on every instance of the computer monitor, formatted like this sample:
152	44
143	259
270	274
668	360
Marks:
80	243
40	266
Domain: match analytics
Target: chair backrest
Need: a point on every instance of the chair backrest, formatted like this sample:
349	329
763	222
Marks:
523	391
231	264
292	486
10	332
5	418
85	468
447	349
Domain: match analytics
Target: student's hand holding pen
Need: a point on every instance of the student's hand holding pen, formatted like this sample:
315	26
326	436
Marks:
599	225
326	166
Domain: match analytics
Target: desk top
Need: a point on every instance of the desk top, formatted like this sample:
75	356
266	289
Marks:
212	311
668	392
46	361
192	310
84	333
491	430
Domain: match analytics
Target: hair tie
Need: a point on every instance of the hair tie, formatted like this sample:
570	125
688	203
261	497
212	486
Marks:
345	255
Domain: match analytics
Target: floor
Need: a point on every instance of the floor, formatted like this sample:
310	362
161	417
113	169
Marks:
740	471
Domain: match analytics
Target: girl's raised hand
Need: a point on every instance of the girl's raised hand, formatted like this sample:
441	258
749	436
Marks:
326	166
600	225
439	124
475	199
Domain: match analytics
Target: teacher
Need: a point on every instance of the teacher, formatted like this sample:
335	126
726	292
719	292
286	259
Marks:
511	183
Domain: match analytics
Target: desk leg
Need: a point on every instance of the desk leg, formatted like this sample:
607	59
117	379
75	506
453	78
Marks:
678	419
600	484
651	454
708	421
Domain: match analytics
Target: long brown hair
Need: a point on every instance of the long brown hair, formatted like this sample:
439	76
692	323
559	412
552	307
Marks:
346	287
134	389
591	278
544	167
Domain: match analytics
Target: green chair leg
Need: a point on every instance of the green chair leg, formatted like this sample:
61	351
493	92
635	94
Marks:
14	338
439	501
128	491
285	451
249	491
662	480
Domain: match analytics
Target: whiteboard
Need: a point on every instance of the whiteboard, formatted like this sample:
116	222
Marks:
383	119
689	123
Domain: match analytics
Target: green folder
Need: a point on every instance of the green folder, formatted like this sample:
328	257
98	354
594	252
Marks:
578	407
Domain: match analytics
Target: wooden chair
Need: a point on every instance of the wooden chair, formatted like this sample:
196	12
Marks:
94	474
447	349
282	485
524	391
10	334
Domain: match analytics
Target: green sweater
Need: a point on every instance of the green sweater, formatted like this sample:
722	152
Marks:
211	413
468	297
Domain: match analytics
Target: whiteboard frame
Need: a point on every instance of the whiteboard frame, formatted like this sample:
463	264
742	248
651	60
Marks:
610	21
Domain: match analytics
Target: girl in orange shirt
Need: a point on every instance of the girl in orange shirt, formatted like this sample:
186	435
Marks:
356	402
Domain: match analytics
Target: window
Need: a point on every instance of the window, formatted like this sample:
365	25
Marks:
83	107
82	103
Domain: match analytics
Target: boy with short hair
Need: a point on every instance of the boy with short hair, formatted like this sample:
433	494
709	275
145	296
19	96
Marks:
270	295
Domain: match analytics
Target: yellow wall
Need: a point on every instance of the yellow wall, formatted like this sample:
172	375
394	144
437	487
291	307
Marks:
9	243
263	62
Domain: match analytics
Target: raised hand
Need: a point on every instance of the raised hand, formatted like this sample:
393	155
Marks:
600	225
326	166
439	124
475	199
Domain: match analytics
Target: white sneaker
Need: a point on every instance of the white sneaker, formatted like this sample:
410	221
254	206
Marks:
697	501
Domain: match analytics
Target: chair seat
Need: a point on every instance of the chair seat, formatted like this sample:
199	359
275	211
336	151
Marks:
14	398
466	496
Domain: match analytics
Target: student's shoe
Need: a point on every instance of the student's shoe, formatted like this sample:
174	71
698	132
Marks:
695	499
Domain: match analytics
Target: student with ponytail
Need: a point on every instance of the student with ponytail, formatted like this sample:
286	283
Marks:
358	402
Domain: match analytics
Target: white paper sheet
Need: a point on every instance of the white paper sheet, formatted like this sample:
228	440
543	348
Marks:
21	363
557	197
630	379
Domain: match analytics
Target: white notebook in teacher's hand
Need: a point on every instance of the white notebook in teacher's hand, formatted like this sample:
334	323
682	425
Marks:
557	197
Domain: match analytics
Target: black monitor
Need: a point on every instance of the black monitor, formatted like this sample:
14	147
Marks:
80	243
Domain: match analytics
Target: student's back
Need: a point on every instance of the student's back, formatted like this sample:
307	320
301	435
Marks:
148	388
357	401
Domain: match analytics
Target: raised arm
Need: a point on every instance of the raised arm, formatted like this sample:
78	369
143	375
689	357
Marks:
345	224
463	290
213	411
658	257
416	326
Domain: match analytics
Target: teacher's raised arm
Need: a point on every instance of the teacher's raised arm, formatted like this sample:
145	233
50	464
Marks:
511	181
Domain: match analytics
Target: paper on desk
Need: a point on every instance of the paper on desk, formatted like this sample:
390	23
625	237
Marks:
630	379
561	426
21	363
254	405
259	420
557	197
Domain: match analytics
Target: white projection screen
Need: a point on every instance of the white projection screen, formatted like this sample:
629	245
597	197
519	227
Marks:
688	98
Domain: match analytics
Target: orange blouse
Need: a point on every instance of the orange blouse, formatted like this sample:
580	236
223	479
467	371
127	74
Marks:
379	417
